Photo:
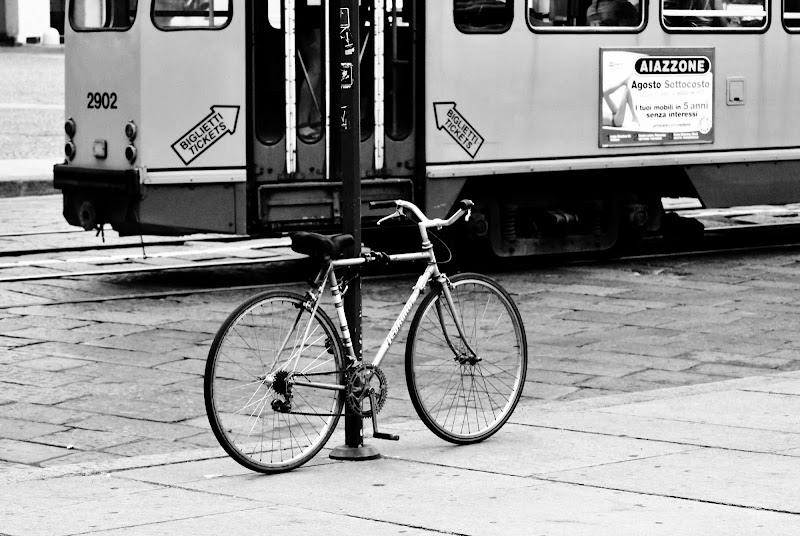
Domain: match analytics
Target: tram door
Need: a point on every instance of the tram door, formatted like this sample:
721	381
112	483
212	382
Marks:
290	145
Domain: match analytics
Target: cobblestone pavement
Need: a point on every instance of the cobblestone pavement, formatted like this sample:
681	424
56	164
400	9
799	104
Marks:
89	372
32	103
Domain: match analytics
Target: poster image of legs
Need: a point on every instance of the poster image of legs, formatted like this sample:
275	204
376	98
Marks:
658	96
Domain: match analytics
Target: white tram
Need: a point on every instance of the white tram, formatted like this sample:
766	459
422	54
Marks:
566	121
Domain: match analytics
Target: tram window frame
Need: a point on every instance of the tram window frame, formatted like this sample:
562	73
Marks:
229	13
710	28
642	10
796	22
133	7
487	28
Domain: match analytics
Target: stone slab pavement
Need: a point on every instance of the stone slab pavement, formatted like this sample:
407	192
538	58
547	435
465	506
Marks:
720	458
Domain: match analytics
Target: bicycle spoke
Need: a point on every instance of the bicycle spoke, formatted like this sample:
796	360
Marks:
465	397
264	342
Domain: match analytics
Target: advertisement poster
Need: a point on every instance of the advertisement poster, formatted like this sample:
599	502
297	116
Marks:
658	96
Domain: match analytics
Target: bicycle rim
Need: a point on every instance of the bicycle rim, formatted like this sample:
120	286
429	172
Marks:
465	400
260	418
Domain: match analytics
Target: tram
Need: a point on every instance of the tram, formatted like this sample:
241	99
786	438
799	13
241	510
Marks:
566	121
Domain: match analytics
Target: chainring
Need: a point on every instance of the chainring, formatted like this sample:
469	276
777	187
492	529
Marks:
360	380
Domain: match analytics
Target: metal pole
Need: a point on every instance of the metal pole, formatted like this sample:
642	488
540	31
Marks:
346	156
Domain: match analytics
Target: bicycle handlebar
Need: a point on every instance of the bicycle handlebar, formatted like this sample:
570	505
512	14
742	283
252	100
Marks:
464	206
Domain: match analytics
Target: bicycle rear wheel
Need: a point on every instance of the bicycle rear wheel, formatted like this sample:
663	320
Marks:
461	396
259	415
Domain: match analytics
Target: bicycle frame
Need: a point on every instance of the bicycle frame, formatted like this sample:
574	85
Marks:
327	275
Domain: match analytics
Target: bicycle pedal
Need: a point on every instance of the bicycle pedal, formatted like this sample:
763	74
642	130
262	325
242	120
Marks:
384	435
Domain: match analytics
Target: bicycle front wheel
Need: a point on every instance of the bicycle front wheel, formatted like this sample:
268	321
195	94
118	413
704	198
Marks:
262	418
465	383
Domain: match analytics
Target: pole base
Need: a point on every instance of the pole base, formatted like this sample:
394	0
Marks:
355	454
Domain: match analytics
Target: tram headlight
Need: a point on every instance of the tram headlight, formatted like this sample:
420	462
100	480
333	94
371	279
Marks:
131	153
70	128
69	150
131	130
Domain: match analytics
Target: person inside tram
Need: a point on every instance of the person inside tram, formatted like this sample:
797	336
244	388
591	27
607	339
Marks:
612	13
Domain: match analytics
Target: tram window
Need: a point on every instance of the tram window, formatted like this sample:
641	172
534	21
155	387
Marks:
191	14
102	14
561	15
710	15
483	16
791	14
398	61
269	71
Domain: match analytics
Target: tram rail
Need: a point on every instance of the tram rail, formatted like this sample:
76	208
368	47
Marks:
716	240
112	246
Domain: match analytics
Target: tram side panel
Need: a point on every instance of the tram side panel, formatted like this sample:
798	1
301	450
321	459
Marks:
516	117
194	113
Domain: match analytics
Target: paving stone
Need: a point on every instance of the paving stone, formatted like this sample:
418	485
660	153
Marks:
733	371
53	364
14	342
41	413
98	354
135	427
81	457
26	452
140	409
13	392
135	372
626	384
15	356
96	330
189	366
587	392
555	377
638	361
195	326
200	351
140	342
670	378
47	334
21	429
547	391
62	310
147	446
204	439
761	480
591	368
42	379
771	360
629	346
88	440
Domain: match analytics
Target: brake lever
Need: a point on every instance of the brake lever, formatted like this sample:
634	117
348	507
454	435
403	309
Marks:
396	214
469	213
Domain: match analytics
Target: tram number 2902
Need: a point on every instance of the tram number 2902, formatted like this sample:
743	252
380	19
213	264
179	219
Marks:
102	101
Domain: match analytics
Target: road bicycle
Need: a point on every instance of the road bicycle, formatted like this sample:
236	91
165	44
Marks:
279	374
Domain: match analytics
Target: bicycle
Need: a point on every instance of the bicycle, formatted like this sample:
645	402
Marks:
278	372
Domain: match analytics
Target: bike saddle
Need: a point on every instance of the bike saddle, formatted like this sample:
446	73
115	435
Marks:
317	245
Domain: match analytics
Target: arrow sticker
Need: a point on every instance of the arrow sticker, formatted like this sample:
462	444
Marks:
222	120
450	119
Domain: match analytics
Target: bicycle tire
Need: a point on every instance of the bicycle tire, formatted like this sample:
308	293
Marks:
242	380
464	402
